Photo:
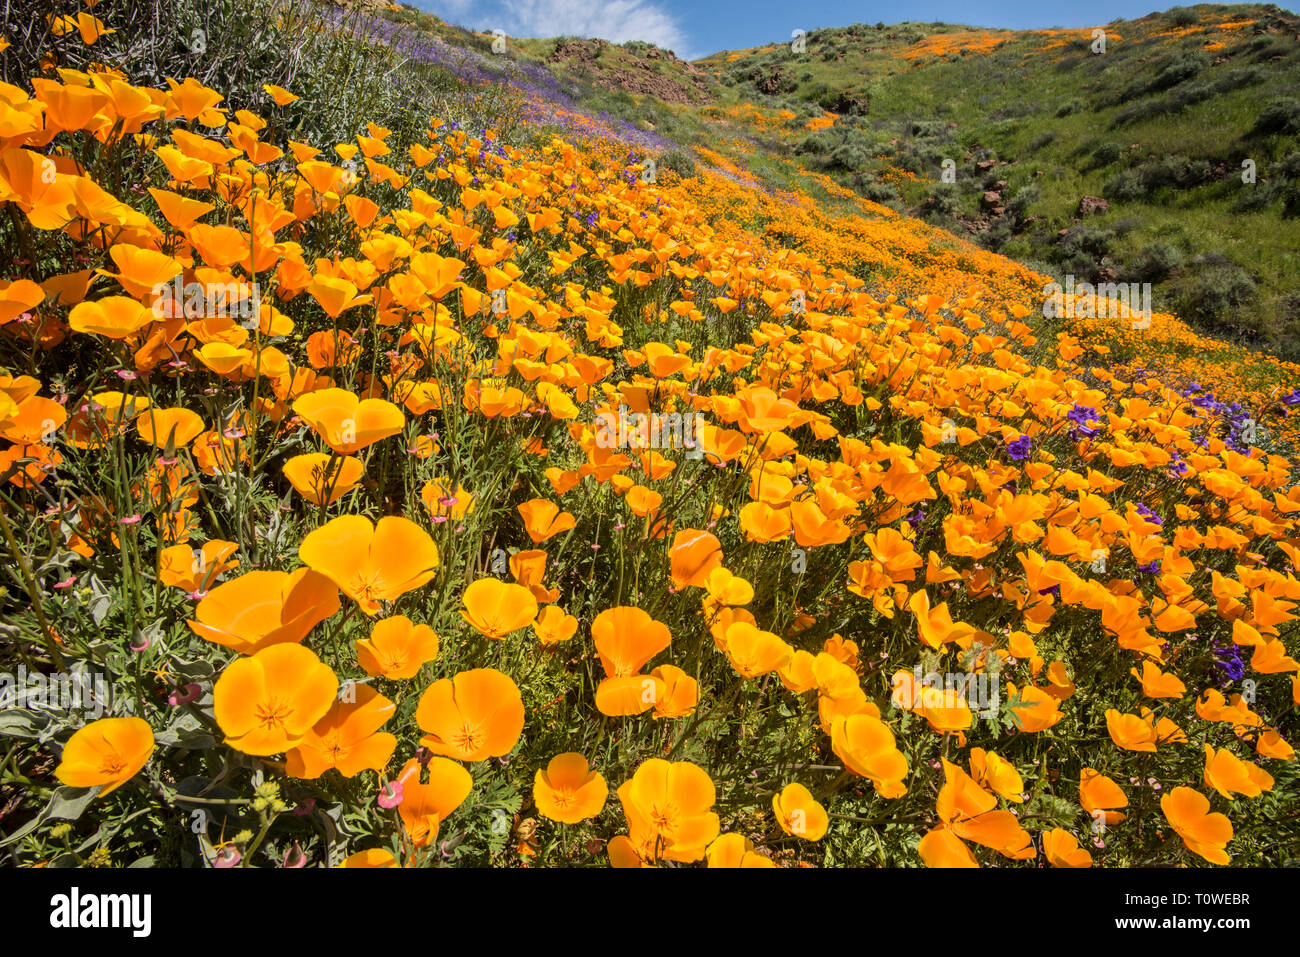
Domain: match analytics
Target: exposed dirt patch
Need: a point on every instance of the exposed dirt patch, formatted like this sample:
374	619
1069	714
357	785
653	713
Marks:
650	72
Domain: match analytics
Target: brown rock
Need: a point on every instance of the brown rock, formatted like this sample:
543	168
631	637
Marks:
1092	204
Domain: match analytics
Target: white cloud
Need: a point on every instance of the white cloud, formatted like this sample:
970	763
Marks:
614	20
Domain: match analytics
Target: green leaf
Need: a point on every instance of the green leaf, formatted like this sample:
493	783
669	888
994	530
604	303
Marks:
67	803
22	723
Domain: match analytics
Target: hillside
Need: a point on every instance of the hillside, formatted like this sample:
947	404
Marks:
432	454
1122	166
1157	127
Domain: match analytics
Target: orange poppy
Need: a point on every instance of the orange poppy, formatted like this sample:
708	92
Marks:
693	556
543	519
176	428
753	652
1227	773
554	626
196	569
568	790
1204	833
323	479
735	851
626	638
496	608
443	504
1099	796
346	423
679	694
371	563
259	609
866	746
477	714
425	805
622	695
1062	849
268	703
374	857
114	317
396	648
669	807
347	738
1131	732
105	753
799	814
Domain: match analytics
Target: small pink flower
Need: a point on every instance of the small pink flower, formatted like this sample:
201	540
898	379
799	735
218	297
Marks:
439	519
144	642
127	374
66	583
391	794
184	695
228	856
129	520
294	857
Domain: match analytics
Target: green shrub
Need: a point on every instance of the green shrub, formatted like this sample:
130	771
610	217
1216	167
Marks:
1105	154
1280	116
1022	199
1219	289
1041	140
849	157
943	199
679	161
1144	181
1153	262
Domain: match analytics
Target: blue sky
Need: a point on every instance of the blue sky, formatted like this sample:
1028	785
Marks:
695	28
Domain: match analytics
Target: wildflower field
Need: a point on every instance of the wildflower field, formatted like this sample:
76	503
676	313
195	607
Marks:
425	476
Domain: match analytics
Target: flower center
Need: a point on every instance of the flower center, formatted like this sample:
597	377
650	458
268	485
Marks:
666	819
111	764
273	713
468	740
370	587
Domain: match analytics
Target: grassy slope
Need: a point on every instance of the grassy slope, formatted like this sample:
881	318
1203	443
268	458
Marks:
405	111
1041	103
1220	253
